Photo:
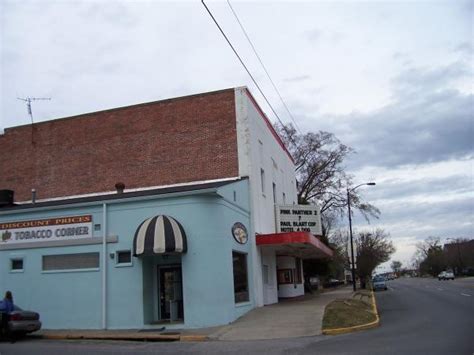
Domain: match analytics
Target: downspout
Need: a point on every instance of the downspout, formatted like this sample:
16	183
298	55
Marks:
104	266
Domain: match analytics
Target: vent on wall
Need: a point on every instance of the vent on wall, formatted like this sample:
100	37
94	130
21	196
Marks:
6	198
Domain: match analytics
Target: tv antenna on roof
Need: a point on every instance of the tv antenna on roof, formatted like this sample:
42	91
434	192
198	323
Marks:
28	103
30	112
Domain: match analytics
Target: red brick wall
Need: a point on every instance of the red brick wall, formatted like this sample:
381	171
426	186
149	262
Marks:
172	141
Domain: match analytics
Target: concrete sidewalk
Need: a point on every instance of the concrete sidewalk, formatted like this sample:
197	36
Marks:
286	319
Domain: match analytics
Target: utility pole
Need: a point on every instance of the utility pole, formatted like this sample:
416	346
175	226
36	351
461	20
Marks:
30	111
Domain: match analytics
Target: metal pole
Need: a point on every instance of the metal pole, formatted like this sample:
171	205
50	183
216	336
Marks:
352	243
104	266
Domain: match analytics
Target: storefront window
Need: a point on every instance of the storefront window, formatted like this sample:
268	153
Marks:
241	289
285	276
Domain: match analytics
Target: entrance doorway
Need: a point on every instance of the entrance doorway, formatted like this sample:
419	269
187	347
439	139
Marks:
170	293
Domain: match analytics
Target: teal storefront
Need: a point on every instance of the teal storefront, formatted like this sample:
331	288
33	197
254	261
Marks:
178	257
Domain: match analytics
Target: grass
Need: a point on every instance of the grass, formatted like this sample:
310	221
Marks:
344	313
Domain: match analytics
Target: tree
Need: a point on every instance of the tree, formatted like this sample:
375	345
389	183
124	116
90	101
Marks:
430	254
396	266
373	249
320	174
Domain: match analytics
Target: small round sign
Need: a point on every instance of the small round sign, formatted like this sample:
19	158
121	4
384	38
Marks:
240	233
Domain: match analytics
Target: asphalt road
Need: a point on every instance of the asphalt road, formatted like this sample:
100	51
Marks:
418	316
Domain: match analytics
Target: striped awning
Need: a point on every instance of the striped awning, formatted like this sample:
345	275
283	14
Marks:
159	235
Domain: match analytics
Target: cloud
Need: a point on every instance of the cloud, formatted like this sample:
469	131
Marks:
427	121
314	35
425	81
464	48
297	79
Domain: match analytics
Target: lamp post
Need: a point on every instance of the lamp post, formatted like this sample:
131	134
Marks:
350	229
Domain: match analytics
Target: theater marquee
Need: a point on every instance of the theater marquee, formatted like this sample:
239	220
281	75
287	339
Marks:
42	230
298	218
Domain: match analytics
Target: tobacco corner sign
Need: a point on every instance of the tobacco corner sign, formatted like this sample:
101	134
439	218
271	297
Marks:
298	218
42	230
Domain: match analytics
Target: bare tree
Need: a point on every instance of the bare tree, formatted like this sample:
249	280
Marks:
320	174
373	249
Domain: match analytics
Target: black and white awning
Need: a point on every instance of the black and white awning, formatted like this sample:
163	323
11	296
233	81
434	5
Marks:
159	235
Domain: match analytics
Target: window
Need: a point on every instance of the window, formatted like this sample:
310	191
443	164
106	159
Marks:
70	261
298	276
241	289
16	264
262	180
274	193
285	276
124	257
260	151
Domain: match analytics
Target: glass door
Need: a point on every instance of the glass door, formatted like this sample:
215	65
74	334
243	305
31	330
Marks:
171	293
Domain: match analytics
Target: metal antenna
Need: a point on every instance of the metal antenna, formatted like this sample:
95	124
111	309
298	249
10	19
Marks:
30	111
28	103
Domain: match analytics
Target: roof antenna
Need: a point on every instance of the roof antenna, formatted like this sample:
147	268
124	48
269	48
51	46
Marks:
30	112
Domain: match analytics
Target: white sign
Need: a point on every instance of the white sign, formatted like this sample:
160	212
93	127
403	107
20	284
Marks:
42	230
298	218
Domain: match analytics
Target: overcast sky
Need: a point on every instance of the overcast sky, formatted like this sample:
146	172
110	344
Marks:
393	80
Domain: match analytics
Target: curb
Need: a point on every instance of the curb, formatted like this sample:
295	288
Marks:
136	337
373	324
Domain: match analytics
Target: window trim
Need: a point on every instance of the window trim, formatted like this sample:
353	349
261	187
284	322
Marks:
15	258
118	264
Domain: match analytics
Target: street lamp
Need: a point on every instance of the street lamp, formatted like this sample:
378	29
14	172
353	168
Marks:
350	229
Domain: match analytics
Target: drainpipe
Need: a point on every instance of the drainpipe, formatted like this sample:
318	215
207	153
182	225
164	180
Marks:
104	266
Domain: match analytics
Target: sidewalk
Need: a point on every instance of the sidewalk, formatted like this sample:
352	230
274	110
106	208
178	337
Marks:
286	319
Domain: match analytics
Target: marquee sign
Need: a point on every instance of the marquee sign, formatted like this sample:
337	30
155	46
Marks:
42	230
298	218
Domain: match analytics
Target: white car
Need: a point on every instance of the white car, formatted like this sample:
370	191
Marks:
446	275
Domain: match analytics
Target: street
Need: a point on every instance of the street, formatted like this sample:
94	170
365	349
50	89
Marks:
418	316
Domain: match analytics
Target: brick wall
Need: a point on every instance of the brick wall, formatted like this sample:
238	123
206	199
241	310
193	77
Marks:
172	141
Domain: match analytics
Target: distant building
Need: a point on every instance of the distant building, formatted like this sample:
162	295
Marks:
179	212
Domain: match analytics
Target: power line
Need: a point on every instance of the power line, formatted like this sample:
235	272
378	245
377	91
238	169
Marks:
263	65
248	71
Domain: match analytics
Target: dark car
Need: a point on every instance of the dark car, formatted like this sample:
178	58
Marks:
21	322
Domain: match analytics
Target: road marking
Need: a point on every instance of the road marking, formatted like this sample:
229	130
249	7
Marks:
440	289
465	294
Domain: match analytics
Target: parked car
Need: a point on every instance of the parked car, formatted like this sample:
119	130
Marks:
21	322
446	275
379	283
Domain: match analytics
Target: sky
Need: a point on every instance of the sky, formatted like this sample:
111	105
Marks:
391	79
